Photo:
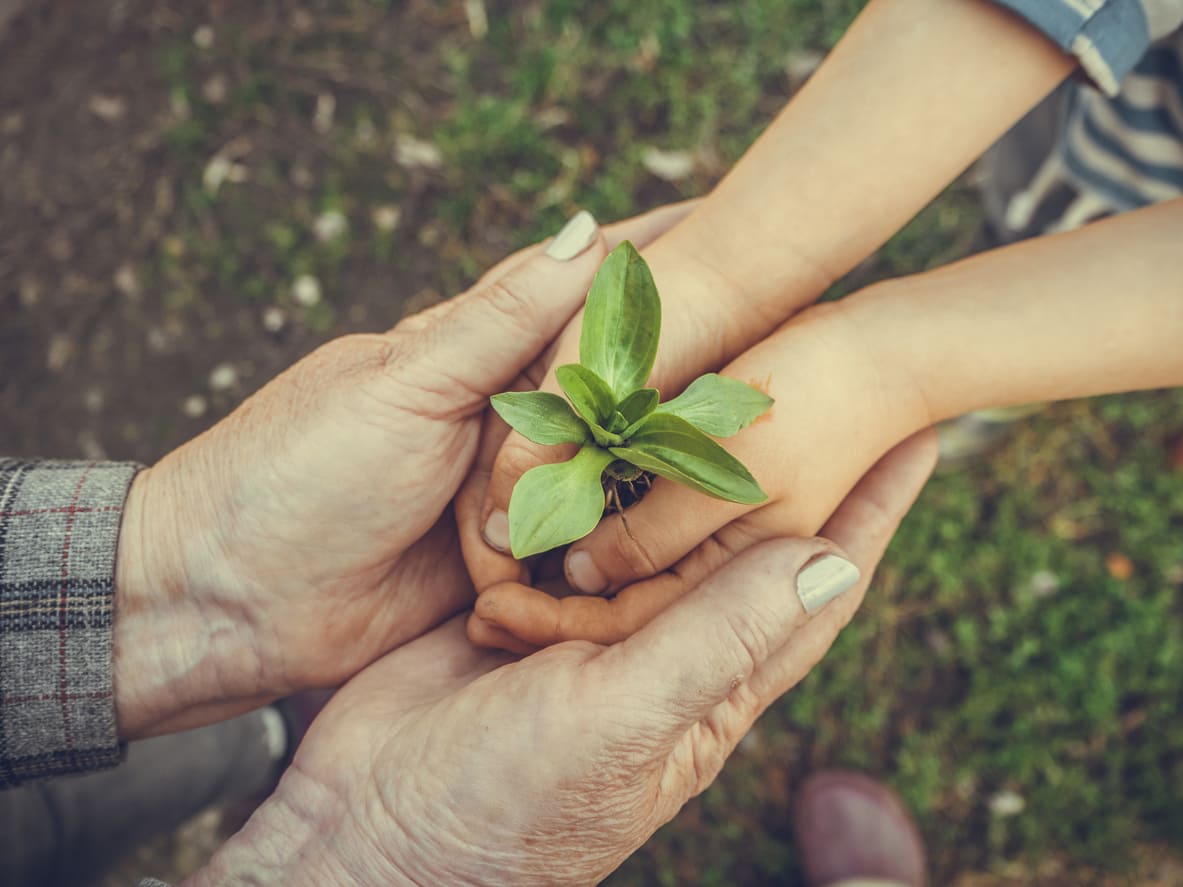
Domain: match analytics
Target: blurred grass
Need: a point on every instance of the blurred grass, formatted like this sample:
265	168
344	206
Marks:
1003	648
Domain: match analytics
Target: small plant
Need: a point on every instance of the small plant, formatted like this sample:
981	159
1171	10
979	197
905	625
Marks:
625	434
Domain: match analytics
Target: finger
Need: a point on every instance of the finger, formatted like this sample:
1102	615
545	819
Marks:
486	337
540	619
864	521
790	451
485	634
486	565
641	230
695	654
627	547
863	526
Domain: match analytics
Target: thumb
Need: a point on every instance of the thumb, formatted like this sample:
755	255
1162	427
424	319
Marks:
692	656
483	339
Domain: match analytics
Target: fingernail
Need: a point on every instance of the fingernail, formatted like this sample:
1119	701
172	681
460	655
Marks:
583	574
577	235
496	530
823	580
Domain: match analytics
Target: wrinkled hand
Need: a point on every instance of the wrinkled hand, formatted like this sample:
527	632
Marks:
444	764
309	532
837	410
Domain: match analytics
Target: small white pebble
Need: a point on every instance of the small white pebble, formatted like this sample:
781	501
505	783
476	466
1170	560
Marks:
416	153
274	319
668	165
107	107
330	225
93	400
1044	583
306	291
1007	803
216	172
215	89
61	349
223	377
203	37
157	340
30	292
194	406
326	109
90	446
799	66
127	282
386	218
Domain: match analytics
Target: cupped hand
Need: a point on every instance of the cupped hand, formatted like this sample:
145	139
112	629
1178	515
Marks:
309	532
837	411
445	764
706	321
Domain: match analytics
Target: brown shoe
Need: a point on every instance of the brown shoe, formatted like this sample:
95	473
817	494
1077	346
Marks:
849	826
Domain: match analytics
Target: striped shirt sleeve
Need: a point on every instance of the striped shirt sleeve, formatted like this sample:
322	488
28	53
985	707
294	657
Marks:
59	530
1108	37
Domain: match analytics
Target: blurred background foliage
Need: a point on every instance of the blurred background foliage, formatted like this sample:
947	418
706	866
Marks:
226	185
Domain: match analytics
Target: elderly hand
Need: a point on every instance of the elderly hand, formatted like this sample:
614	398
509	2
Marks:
309	532
444	764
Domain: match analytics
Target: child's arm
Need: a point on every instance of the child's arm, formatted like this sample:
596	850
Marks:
910	96
1094	311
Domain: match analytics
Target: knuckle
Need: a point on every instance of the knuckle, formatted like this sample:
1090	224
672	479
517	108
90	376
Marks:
517	456
628	548
510	298
873	516
748	639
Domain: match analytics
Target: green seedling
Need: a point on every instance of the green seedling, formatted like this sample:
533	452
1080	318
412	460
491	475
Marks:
625	434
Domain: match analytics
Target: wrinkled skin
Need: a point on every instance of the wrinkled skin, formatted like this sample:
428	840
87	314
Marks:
446	764
310	532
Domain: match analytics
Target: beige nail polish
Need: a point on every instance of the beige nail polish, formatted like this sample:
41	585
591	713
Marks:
823	580
576	236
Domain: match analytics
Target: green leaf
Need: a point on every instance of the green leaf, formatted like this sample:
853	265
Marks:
673	448
718	405
639	404
554	504
590	394
621	322
543	417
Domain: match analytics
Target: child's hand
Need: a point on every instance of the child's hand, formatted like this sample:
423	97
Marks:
706	321
836	413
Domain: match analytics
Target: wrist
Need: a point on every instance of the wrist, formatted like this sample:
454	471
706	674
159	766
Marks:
759	276
293	839
175	655
866	333
700	293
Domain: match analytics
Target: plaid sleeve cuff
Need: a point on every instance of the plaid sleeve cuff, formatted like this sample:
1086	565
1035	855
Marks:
1108	37
59	529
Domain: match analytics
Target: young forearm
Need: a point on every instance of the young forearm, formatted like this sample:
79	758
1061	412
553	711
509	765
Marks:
912	94
1096	311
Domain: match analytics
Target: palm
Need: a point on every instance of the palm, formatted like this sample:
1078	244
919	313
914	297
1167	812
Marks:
480	721
330	523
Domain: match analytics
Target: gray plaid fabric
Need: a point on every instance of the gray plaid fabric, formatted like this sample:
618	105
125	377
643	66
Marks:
59	528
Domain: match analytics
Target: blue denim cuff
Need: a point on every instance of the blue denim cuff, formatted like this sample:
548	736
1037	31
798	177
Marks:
1108	37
